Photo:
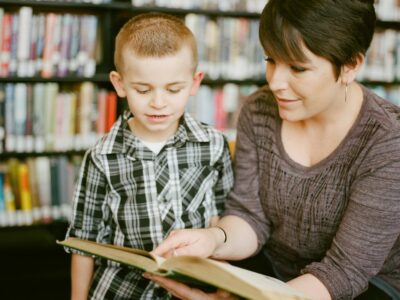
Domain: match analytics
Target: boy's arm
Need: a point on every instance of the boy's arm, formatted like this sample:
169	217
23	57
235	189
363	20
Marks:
81	276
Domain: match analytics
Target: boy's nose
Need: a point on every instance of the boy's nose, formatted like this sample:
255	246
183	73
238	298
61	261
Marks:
158	100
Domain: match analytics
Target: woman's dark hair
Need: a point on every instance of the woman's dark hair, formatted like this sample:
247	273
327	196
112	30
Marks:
337	30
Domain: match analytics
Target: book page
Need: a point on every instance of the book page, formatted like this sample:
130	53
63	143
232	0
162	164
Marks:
128	256
259	280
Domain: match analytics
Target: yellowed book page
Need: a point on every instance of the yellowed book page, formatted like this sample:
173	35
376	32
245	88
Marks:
239	281
133	257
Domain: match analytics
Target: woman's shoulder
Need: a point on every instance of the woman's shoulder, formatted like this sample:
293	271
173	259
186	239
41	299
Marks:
382	112
261	101
381	126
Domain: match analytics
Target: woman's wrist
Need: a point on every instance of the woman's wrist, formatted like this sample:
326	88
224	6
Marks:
224	232
219	235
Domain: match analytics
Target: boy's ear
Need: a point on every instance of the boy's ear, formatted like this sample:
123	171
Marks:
197	78
350	71
116	81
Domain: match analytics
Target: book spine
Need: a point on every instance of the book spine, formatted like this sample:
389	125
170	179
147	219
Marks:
47	63
111	109
26	201
6	32
23	40
66	37
13	64
20	113
2	117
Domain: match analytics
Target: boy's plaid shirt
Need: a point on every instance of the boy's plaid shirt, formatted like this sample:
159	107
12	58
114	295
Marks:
127	195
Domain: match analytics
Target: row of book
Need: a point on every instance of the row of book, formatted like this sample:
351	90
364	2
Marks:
385	9
388	92
388	10
228	47
49	117
220	106
232	5
382	61
79	1
44	117
48	44
37	190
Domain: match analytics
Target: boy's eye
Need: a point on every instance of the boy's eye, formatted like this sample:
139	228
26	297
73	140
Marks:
174	91
298	69
142	91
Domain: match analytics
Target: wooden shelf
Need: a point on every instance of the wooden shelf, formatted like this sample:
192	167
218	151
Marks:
125	6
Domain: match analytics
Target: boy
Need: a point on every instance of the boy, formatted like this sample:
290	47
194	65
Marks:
157	170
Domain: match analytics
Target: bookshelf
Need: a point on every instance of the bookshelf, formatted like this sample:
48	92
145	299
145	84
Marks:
28	232
38	230
65	82
68	88
72	85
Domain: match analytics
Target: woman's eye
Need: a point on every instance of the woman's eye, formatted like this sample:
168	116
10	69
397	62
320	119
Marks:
269	60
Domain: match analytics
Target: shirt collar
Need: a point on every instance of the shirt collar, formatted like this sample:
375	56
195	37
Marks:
121	140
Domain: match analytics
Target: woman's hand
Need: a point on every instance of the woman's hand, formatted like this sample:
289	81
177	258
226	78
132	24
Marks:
196	242
185	292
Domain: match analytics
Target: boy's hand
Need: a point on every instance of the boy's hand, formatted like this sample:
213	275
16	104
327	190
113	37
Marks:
185	292
196	242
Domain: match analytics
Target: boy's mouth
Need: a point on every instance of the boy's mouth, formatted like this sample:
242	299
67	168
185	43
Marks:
157	116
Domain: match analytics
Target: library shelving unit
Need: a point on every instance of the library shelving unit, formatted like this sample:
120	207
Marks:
35	267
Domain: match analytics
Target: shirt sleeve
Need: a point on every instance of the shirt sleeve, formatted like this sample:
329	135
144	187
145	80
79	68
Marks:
89	209
370	225
244	200
225	177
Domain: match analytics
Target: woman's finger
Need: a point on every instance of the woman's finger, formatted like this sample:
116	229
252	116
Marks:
178	289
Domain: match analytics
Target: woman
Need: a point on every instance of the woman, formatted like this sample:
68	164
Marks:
317	186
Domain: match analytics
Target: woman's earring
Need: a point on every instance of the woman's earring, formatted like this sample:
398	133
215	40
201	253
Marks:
345	92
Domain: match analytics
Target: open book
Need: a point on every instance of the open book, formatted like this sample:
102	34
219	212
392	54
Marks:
196	271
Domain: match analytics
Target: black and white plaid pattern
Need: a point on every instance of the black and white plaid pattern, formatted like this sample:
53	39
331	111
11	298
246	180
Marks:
127	195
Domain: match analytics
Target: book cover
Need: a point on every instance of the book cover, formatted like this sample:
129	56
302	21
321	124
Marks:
193	270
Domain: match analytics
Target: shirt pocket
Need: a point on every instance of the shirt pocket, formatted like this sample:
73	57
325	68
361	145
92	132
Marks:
195	184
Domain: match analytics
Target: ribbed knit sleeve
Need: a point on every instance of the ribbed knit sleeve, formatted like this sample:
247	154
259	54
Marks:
244	200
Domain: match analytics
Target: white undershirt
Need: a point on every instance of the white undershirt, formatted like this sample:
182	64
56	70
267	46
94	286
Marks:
154	146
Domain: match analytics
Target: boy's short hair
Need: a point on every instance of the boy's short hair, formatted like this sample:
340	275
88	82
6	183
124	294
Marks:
154	35
338	31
